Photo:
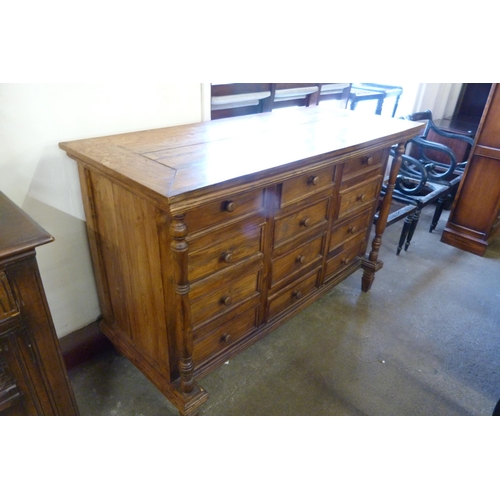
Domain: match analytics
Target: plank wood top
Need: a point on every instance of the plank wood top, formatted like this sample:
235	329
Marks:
170	163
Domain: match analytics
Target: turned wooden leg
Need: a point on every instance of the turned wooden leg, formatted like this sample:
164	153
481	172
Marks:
404	233
371	264
437	213
413	226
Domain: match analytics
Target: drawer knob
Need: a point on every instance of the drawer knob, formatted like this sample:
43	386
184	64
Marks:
368	160
229	206
351	229
313	180
306	222
227	257
226	338
300	259
361	197
345	260
226	300
297	294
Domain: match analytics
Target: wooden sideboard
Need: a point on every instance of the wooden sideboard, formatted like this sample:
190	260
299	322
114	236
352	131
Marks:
475	216
33	379
205	237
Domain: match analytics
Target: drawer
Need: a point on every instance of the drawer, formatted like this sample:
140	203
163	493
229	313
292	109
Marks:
293	294
221	249
301	221
361	164
298	259
307	184
225	209
210	342
353	249
349	229
213	297
360	196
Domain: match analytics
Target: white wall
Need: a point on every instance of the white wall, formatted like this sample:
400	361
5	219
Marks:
440	98
41	179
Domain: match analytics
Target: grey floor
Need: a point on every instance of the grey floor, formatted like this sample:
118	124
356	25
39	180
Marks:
424	341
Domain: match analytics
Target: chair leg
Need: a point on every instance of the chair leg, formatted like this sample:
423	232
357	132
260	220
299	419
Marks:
413	226
404	233
437	213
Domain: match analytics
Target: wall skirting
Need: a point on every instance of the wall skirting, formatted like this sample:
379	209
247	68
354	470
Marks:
81	345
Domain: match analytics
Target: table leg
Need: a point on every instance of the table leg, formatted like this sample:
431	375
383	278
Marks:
372	264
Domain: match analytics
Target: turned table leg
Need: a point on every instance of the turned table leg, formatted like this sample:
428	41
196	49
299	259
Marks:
371	264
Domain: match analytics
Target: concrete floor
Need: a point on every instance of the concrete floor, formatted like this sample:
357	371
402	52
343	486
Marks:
424	341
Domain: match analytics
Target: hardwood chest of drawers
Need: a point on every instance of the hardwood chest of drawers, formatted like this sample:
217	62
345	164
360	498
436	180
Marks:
33	379
205	237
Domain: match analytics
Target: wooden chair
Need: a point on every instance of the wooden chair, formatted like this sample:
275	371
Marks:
236	99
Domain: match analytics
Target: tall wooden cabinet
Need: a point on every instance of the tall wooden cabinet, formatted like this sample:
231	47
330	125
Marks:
33	379
475	217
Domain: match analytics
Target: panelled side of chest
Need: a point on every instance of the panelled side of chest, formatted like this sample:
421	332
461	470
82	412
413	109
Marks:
129	241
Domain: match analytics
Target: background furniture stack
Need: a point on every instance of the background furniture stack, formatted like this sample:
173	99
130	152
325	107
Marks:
236	99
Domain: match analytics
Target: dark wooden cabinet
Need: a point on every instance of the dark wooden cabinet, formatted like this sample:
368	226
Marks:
475	216
205	237
33	379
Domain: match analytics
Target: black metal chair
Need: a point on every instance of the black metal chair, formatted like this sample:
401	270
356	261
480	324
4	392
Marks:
439	159
413	191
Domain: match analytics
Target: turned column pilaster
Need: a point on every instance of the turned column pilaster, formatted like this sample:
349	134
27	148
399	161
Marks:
371	264
183	322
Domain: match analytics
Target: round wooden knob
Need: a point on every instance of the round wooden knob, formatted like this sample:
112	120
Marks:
300	259
313	180
226	338
368	160
229	206
361	197
227	257
297	294
351	229
306	222
227	300
345	260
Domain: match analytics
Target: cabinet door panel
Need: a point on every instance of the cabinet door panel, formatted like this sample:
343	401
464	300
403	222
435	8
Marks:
479	212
